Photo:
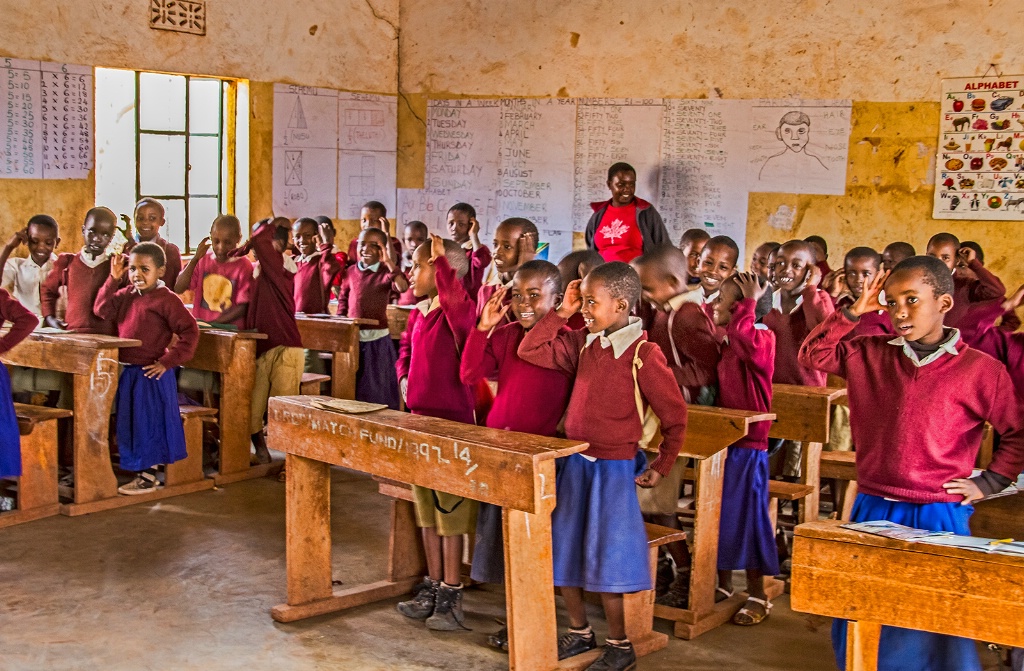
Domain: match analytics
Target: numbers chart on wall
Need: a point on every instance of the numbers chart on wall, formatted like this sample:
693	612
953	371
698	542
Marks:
47	127
980	159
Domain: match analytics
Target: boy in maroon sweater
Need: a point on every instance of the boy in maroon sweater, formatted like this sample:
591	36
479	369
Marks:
895	252
279	358
575	266
599	539
316	265
375	215
428	371
414	235
149	219
918	405
860	267
465	230
717	264
515	243
978	285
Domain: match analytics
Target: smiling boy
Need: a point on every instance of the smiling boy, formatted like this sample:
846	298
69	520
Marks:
22	277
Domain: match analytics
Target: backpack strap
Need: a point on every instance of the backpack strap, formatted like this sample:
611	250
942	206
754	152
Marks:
637	365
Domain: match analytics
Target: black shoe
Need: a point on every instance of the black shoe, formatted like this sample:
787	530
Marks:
448	614
615	658
664	576
678	594
499	639
572	644
421	606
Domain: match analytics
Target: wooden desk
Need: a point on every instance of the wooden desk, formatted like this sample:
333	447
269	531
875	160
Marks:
398	319
804	414
709	432
874	581
92	361
232	354
340	337
38	495
999	517
512	470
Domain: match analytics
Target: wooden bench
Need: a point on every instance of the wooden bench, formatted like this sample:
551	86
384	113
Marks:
874	581
513	470
312	384
190	469
779	490
340	337
37	493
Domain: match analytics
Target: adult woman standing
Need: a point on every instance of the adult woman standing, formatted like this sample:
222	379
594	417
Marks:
624	227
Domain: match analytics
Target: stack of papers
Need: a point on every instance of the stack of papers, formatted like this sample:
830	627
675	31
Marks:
347	406
948	539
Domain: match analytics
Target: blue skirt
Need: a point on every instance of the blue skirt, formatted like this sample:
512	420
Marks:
489	550
599	541
10	439
907	649
376	381
149	430
746	539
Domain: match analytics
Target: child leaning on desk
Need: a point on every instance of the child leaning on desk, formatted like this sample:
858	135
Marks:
918	405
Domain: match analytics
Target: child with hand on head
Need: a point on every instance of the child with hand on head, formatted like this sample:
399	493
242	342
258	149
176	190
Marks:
465	230
366	289
515	243
686	337
415	234
895	252
428	371
1009	322
82	274
149	431
530	399
23	276
317	266
860	267
819	248
692	245
575	266
149	219
23	323
599	539
375	215
717	263
761	265
221	283
746	537
974	287
918	406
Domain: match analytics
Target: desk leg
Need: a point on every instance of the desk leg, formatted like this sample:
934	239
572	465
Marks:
93	400
236	385
308	520
810	474
405	547
707	511
862	645
344	365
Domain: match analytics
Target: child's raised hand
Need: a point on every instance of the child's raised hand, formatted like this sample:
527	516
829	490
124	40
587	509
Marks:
527	248
19	238
436	247
751	286
1015	299
204	246
494	310
870	299
966	488
118	266
127	230
572	301
831	283
385	226
966	255
474	228
326	234
813	277
154	371
648	478
403	387
385	257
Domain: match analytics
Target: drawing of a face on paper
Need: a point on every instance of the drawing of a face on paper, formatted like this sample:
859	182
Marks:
794	132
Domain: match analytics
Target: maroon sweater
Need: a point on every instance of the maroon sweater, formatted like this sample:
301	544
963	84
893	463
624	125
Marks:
172	261
366	294
968	291
790	331
1005	347
430	349
694	337
313	281
917	428
154	318
272	306
870	324
22	321
602	408
83	284
745	371
479	260
530	399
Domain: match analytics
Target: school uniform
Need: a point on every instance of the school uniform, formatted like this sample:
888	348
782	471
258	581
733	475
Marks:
599	538
217	287
23	323
812	307
172	258
83	276
23	279
871	323
365	293
1007	349
313	279
490	284
149	430
429	356
479	263
395	247
967	291
686	336
917	423
530	399
746	538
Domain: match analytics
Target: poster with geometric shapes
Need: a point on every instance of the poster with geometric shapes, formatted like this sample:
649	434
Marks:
979	172
364	176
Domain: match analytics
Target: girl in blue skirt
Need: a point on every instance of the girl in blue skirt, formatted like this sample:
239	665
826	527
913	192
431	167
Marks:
149	431
22	323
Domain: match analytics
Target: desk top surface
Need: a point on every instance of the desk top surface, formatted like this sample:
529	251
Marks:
85	340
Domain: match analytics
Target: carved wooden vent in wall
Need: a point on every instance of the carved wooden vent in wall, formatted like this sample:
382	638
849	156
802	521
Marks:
181	16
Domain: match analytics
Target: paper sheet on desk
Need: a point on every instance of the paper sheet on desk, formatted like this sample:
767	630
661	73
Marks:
348	406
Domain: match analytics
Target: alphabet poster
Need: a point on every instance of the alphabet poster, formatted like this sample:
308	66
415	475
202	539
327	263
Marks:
979	172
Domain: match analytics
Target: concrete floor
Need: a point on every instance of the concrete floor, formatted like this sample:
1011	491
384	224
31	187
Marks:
188	583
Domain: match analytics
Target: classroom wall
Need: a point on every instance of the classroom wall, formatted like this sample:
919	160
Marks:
344	44
886	56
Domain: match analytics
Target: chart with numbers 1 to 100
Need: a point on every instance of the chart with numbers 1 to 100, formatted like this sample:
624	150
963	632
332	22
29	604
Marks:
46	128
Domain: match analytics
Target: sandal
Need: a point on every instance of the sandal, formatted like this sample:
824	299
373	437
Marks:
721	594
746	617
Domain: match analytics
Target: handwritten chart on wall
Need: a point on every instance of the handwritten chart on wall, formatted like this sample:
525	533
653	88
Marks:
46	129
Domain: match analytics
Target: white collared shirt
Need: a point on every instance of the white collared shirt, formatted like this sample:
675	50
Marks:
947	347
22	279
620	340
428	305
91	262
777	301
372	269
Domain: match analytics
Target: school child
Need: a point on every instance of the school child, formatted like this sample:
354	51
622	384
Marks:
1005	347
1010	322
414	235
375	215
23	323
149	431
82	274
895	252
982	286
717	263
23	276
221	284
575	266
428	372
819	247
365	291
149	219
918	405
599	541
860	266
465	230
515	243
692	244
530	399
760	265
316	265
746	538
686	337
279	358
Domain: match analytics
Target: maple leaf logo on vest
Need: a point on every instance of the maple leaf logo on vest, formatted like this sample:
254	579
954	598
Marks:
616	229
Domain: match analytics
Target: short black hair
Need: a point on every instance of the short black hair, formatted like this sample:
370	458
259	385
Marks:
282	229
621	166
302	221
771	245
668	259
621	280
545	269
324	219
944	239
376	205
101	214
153	251
971	244
569	265
418	226
150	202
819	240
798	244
463	207
45	221
727	242
525	226
379	234
228	220
902	249
692	235
935	272
863	253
